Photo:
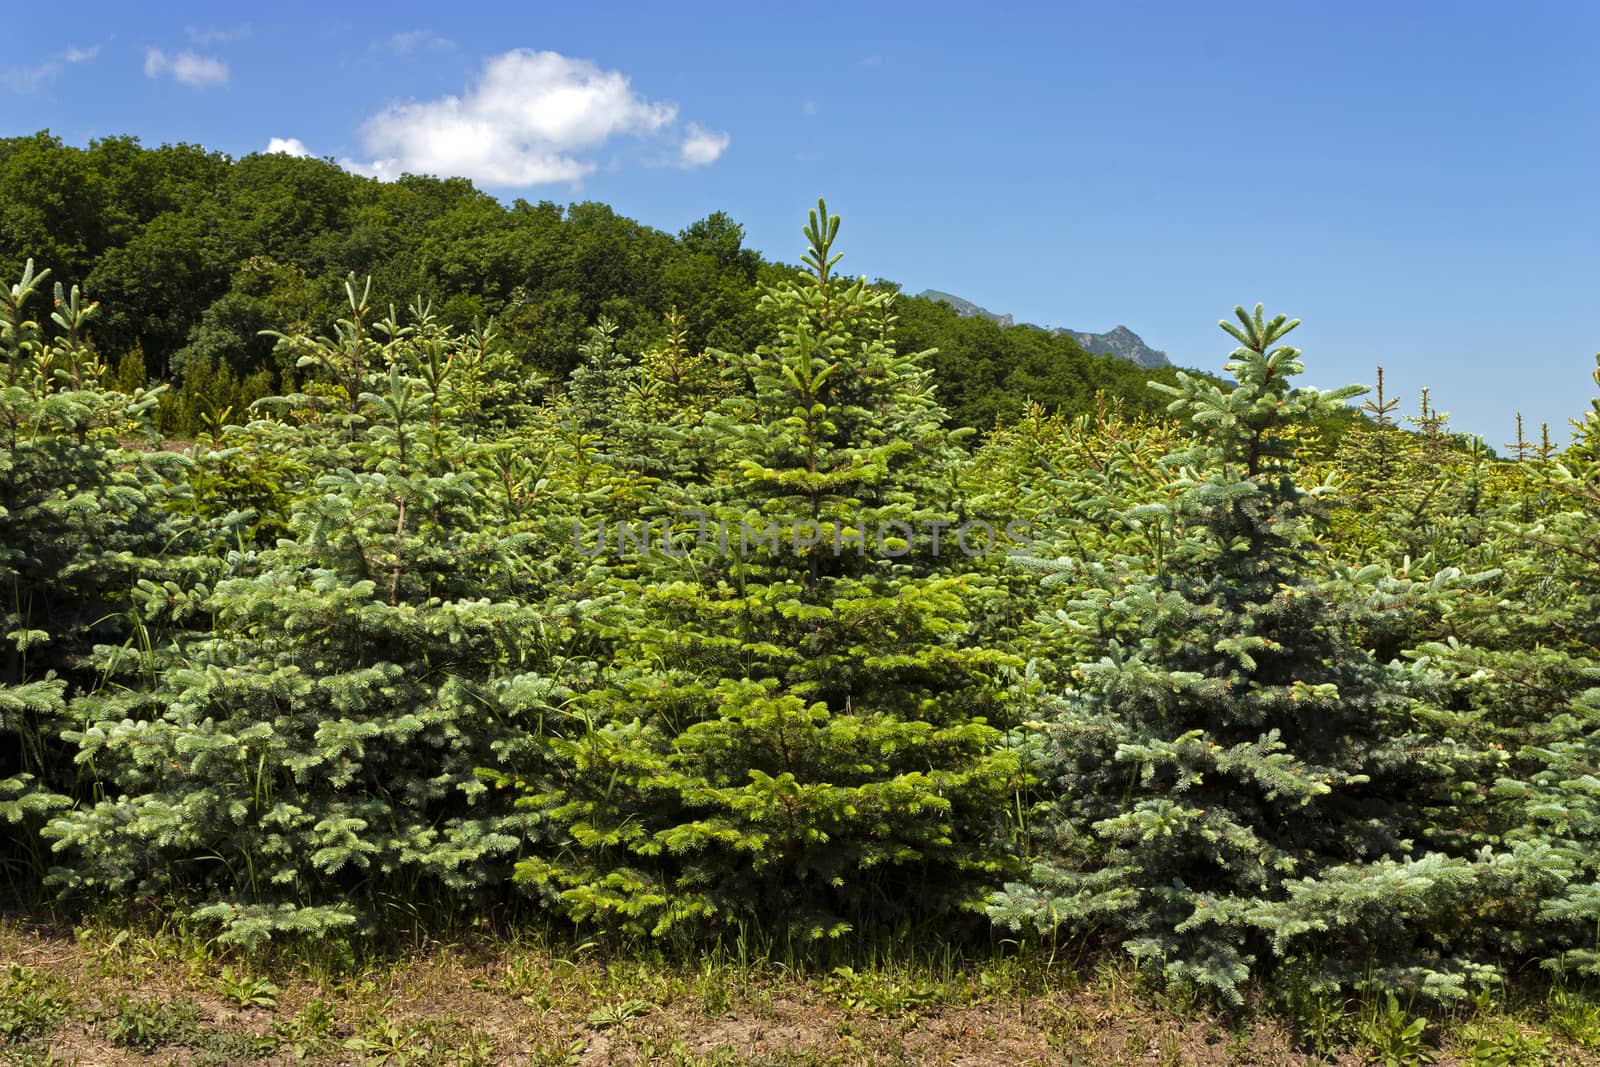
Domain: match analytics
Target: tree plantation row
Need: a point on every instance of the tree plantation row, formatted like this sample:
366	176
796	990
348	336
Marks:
1243	690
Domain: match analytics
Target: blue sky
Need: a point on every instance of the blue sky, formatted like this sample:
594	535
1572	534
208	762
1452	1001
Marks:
1419	183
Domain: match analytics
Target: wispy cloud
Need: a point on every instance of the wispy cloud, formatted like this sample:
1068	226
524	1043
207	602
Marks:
208	35
403	44
32	79
702	146
187	67
531	118
289	146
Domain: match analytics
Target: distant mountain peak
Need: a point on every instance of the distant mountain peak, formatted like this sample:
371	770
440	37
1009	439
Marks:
1125	343
1119	341
966	308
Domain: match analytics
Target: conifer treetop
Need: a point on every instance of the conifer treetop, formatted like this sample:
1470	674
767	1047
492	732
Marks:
821	231
1238	422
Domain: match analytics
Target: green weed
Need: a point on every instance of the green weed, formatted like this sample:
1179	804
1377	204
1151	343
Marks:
29	1005
1395	1036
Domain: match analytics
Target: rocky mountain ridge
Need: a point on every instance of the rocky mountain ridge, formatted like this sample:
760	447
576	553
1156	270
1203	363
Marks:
1120	341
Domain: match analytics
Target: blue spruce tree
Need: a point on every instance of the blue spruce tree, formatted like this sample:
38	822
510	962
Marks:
1233	783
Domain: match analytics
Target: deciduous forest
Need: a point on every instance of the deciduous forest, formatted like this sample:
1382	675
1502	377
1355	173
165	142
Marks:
381	565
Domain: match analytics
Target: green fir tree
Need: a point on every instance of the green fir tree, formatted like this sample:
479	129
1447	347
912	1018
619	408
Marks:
797	730
1232	783
312	762
83	517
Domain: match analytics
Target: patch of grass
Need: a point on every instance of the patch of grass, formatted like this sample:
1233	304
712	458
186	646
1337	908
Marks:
467	1047
386	1042
1503	1043
1322	1020
714	984
1576	1018
146	1025
30	1006
560	1051
31	1054
309	1032
882	993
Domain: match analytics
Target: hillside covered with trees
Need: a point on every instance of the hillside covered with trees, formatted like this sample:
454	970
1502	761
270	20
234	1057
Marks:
193	254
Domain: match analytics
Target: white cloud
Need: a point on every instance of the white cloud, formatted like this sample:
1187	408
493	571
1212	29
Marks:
528	120
808	108
190	68
32	79
403	44
382	169
702	146
289	146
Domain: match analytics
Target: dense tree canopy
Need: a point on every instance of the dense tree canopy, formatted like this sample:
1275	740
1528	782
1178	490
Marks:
193	253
